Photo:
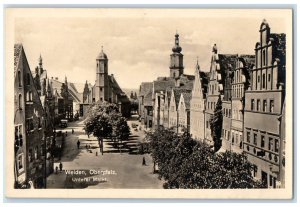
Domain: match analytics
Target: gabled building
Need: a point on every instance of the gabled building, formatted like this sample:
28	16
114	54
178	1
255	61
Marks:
219	86
184	112
30	143
197	105
144	90
166	111
263	106
174	105
232	140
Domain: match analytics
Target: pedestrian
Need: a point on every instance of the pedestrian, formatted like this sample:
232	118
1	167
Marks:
66	133
78	144
60	166
72	131
56	169
144	161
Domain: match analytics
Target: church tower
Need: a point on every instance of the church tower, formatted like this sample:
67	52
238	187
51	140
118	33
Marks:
102	92
86	92
176	60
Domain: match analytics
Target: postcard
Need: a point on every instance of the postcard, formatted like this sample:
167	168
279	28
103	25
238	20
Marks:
149	103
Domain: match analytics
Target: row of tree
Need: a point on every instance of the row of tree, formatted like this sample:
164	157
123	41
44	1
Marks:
186	163
104	120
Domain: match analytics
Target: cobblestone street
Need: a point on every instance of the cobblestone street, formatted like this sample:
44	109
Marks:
125	163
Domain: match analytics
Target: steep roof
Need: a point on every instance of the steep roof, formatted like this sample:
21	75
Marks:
17	54
187	99
162	85
177	94
148	98
145	88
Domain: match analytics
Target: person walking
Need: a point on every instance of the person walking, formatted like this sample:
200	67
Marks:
60	166
144	161
78	144
72	131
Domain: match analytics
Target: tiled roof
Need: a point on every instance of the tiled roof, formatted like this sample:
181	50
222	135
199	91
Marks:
145	88
177	94
163	85
17	53
187	99
148	98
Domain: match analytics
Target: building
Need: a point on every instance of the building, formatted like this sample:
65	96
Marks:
197	105
219	86
106	88
144	90
184	112
263	107
29	122
232	139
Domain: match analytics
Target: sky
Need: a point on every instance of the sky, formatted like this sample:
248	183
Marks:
138	43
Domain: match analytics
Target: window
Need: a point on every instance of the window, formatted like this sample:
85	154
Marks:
269	77
264	57
276	145
232	138
19	78
36	153
101	89
264	105
248	137
18	136
254	170
29	124
264	81
20	101
252	104
271	105
39	122
20	162
262	141
258	79
101	99
28	79
258	105
270	147
255	139
229	115
30	158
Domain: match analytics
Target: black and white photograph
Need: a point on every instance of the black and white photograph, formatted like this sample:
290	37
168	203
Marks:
151	102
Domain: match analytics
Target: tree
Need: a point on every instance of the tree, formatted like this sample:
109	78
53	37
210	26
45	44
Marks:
216	123
186	163
105	120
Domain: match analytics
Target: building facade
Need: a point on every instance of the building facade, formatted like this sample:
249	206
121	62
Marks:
30	142
197	105
263	106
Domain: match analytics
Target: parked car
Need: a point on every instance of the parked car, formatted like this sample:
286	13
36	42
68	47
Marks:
63	123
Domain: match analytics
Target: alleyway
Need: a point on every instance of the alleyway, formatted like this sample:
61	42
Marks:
125	166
